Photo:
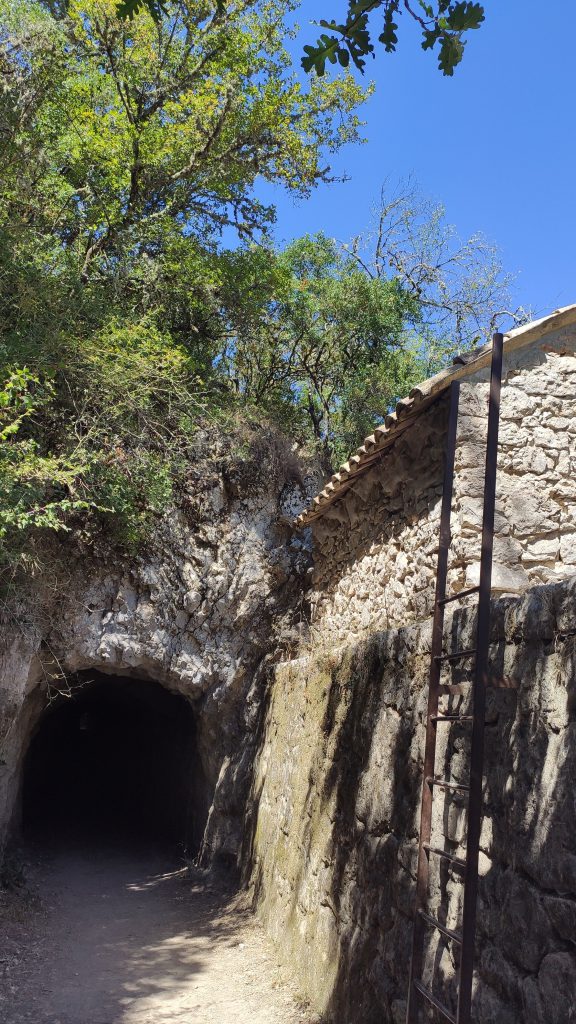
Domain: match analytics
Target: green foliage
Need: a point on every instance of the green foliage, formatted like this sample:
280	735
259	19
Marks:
313	330
128	148
36	489
129	8
326	338
443	25
141	130
125	325
93	438
135	493
372	391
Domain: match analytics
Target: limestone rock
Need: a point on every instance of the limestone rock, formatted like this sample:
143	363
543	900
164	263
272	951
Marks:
199	611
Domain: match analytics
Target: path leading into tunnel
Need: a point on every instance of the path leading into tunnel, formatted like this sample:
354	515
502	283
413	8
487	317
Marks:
132	939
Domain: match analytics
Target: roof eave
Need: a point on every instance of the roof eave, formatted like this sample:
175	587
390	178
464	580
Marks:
409	409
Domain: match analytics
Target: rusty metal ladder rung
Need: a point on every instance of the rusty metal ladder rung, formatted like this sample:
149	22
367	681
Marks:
456	861
456	655
458	597
434	1001
448	932
438	659
447	784
452	718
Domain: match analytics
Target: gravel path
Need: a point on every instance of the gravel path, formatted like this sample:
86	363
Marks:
122	939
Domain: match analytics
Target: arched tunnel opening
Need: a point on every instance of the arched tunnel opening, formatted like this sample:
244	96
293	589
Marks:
117	759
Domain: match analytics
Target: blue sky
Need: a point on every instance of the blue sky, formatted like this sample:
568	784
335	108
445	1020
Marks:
496	144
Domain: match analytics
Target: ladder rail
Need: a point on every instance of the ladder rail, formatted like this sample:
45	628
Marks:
433	695
479	682
479	690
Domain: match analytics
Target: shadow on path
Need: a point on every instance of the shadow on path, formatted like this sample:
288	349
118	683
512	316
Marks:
135	938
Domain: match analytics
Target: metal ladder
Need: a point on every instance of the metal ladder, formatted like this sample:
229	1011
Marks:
418	994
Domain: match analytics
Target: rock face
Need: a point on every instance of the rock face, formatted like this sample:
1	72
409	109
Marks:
332	841
201	612
375	548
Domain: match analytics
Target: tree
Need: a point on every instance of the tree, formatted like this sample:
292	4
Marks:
460	287
319	343
159	127
443	24
128	150
327	337
131	150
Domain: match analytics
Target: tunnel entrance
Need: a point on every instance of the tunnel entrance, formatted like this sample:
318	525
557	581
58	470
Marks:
117	759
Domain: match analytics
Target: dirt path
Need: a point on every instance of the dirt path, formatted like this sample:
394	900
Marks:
136	940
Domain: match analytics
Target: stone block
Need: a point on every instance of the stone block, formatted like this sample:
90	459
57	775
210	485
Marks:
549	998
545	549
568	549
529	513
532	460
562	914
507	579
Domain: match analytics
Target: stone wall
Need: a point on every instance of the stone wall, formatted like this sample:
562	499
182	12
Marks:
332	841
375	548
201	610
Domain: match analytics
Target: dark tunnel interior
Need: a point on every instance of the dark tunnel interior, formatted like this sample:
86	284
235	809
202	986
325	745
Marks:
117	759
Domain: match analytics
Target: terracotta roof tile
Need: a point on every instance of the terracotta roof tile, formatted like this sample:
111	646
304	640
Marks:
420	397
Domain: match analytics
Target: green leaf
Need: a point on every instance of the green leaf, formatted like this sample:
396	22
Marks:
327	48
129	8
389	37
430	39
450	54
465	16
333	26
444	21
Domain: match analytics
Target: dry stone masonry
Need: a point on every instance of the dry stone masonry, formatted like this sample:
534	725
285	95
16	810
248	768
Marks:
334	828
375	548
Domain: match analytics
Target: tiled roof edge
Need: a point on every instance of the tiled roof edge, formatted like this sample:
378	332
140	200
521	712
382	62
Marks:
408	409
